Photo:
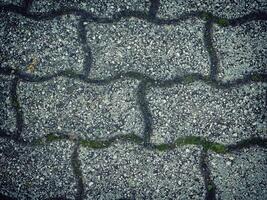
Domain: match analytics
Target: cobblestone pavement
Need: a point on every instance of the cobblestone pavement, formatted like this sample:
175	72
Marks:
117	99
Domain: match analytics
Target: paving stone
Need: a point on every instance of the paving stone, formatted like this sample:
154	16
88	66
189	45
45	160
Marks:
15	2
36	172
50	46
72	107
241	175
244	51
160	51
221	115
7	115
126	170
103	8
221	8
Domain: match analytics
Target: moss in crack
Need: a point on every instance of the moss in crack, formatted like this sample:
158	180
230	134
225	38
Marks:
257	77
189	79
95	144
216	147
15	103
52	138
164	147
206	16
133	138
223	22
69	73
210	187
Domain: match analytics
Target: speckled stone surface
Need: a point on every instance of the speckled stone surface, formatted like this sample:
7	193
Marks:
73	107
127	171
34	172
7	113
236	182
142	99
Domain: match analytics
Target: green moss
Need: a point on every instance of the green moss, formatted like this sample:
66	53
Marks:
194	140
210	187
164	147
222	22
218	148
94	144
206	16
51	138
257	77
15	103
188	140
38	142
132	138
189	79
70	72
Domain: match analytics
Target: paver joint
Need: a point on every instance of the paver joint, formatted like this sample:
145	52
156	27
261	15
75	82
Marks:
119	87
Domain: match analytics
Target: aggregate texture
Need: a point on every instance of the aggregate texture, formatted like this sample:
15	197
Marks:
156	99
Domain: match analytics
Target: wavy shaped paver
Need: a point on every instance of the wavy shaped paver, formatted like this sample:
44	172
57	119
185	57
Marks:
161	51
243	52
222	115
67	106
135	112
127	171
36	172
105	8
235	182
225	8
51	46
7	113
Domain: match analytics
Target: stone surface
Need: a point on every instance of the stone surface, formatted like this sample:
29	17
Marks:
51	45
221	115
241	175
221	8
103	8
243	52
49	48
15	2
160	51
7	115
36	172
129	171
68	106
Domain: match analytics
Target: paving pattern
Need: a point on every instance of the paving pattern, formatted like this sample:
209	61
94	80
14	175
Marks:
140	99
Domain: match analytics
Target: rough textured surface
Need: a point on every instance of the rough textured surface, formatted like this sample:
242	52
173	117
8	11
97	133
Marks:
50	46
243	52
225	8
35	172
221	115
69	106
104	8
155	50
7	115
15	2
236	182
142	99
128	171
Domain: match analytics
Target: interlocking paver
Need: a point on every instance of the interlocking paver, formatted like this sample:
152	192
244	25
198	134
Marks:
155	50
243	52
7	114
134	99
241	175
36	172
225	8
221	115
50	46
68	106
15	2
128	171
104	8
